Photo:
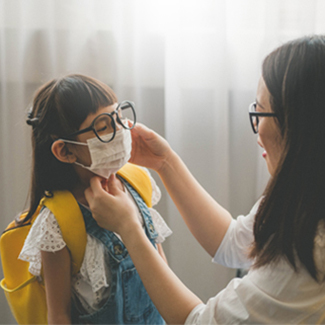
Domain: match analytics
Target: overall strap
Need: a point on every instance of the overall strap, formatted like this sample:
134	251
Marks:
145	213
108	238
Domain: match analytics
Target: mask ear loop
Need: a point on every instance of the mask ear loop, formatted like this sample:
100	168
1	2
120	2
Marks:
73	142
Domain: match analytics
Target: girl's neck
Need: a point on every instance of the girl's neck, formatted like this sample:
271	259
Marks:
79	194
79	191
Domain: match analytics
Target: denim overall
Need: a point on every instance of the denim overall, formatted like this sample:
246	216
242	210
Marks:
128	302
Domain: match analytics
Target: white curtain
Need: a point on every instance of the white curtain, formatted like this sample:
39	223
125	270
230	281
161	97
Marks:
190	66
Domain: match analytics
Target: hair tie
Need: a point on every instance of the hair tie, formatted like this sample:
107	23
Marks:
48	194
33	121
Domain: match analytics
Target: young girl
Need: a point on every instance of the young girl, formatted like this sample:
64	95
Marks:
79	130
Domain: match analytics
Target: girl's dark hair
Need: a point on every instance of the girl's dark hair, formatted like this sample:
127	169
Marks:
59	108
294	200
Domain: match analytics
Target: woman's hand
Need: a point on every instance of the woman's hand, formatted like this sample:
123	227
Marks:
148	148
110	206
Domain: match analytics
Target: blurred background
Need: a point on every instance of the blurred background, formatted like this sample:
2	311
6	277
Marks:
190	66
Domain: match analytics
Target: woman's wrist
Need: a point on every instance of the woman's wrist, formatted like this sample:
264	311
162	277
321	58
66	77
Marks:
168	163
130	232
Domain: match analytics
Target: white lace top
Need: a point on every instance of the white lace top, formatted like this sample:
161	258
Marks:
91	284
271	294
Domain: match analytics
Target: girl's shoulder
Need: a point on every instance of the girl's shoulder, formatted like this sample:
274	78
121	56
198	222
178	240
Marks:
45	232
319	249
320	234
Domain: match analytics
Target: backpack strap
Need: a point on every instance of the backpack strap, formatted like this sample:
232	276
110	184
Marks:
139	179
69	217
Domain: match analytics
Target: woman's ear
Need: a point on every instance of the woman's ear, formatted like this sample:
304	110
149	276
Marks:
62	153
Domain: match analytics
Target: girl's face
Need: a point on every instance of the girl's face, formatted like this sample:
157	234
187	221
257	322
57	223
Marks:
82	152
269	135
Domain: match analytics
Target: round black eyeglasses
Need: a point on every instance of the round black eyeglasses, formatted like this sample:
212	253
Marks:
104	125
254	116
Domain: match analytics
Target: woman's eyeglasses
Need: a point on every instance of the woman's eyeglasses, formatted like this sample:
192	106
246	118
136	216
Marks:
104	125
254	116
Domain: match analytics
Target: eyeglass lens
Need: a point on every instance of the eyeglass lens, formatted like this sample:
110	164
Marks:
105	126
255	123
126	112
254	119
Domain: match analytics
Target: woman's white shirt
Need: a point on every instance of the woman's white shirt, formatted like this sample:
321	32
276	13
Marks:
273	294
91	284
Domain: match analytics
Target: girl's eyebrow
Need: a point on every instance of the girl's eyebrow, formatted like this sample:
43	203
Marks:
259	104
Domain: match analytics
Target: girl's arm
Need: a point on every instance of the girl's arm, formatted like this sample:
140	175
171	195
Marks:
116	212
205	218
57	276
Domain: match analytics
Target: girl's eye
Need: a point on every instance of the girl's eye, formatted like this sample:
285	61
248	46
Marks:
102	129
103	125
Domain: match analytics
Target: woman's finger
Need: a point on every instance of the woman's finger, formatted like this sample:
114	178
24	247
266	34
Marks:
112	185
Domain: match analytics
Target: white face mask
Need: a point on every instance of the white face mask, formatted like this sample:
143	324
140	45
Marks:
108	158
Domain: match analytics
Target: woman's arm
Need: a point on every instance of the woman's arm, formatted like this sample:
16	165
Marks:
162	253
116	212
57	276
172	298
205	218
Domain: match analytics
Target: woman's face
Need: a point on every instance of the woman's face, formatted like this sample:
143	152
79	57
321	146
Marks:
269	135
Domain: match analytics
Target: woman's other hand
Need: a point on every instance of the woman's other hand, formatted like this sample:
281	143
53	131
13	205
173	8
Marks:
148	148
110	206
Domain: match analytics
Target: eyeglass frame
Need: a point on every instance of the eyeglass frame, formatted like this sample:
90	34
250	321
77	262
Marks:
252	113
91	126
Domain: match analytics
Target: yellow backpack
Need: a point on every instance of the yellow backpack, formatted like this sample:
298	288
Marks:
25	292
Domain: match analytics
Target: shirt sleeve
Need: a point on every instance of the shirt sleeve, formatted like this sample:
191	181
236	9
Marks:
195	316
44	235
161	226
234	248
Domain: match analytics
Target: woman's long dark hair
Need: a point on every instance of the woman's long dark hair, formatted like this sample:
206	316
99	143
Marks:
59	108
294	201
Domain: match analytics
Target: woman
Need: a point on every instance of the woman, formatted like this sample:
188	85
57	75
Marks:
282	239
